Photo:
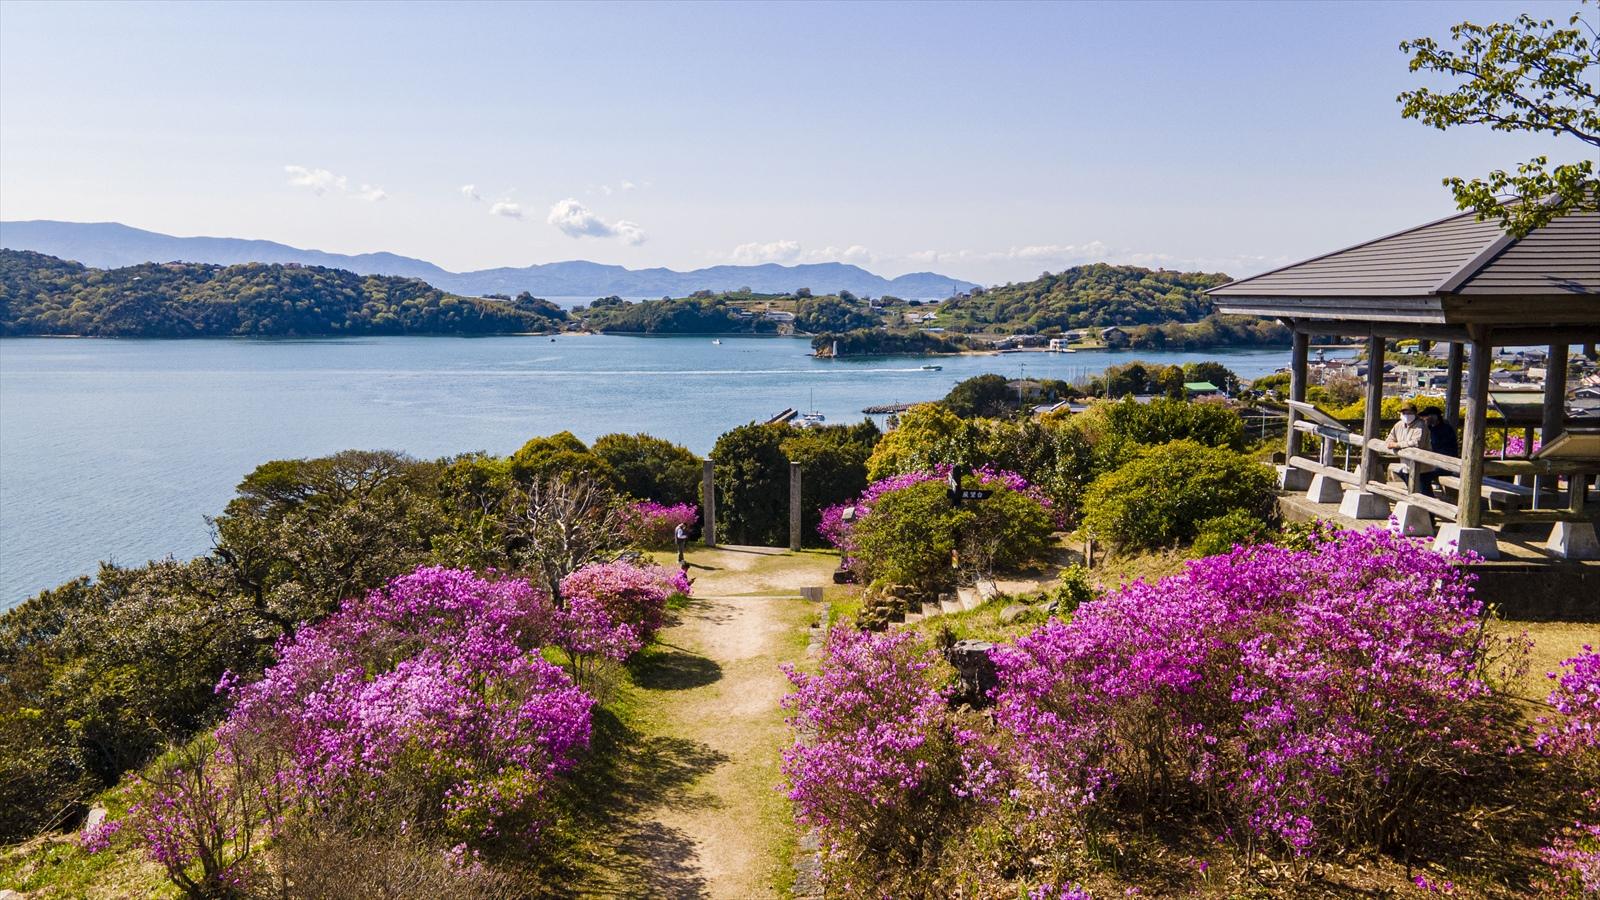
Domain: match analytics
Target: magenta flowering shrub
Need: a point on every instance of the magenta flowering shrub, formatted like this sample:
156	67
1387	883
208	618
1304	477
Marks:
876	767
426	702
651	524
840	533
631	595
1573	735
1307	696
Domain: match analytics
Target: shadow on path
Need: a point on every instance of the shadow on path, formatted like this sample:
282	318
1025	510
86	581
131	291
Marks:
674	670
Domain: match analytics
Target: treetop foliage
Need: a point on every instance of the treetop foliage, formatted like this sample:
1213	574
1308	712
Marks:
41	294
1528	75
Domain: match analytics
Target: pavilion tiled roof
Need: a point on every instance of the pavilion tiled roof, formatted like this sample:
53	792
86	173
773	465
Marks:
1454	270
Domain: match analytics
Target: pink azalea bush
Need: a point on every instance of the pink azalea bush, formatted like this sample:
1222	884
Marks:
838	531
1303	695
427	698
1300	701
1573	735
652	524
631	595
877	762
425	707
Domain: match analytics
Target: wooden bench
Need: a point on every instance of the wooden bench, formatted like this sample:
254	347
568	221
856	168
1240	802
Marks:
1496	492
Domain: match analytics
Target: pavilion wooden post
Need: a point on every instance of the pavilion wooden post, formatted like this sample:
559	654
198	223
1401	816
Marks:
1369	426
1452	389
1555	393
1468	501
708	504
1555	414
1297	389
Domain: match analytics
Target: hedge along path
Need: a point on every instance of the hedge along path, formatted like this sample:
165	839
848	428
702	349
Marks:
731	832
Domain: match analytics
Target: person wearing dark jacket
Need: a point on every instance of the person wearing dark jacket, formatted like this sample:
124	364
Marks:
1441	440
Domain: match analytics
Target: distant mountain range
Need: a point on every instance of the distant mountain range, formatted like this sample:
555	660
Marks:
106	245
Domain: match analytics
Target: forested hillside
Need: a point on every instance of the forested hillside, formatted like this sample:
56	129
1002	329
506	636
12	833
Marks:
43	295
1097	294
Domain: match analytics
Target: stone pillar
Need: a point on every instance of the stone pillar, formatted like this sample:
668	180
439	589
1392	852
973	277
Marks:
795	506
708	504
1452	388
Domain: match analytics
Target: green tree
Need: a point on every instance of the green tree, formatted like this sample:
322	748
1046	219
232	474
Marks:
649	468
833	463
928	434
981	396
752	476
1523	76
1161	497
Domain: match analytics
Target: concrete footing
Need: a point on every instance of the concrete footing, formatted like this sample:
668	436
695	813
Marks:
1453	539
1363	505
1573	540
950	603
1325	490
1412	520
1293	479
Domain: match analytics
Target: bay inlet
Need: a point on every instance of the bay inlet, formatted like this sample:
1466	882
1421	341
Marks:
117	449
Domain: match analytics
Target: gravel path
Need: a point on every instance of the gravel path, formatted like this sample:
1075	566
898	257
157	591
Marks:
729	833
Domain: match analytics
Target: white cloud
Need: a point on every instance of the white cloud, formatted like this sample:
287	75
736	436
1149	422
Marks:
506	208
787	252
791	253
318	181
470	191
627	185
575	220
322	181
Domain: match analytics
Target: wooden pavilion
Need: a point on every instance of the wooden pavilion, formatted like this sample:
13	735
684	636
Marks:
1468	284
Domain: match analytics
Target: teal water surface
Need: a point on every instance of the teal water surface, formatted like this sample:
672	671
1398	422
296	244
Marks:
118	449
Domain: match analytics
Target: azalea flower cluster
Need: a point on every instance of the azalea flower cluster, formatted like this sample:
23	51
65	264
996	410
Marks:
1300	693
610	610
652	524
1302	698
876	753
430	687
835	529
1516	447
426	706
1574	735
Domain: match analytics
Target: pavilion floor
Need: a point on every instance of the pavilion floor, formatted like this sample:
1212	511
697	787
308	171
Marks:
1527	582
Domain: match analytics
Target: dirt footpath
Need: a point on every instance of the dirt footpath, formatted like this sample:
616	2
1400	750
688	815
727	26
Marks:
730	833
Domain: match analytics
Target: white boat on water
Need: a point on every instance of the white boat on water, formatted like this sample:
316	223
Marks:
932	368
716	340
810	419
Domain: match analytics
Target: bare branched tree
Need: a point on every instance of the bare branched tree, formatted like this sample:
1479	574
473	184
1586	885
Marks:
558	525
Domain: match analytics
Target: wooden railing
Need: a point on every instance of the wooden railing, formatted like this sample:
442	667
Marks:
1329	466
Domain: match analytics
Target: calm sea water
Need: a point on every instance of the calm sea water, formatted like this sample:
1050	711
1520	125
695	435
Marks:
116	449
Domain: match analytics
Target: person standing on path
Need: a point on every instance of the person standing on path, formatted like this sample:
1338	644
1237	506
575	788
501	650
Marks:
680	536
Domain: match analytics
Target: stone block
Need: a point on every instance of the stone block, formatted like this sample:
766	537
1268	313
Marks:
1363	505
1325	490
950	603
1293	479
1573	540
1412	520
1453	539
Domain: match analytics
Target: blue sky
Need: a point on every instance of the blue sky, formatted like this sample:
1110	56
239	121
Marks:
987	141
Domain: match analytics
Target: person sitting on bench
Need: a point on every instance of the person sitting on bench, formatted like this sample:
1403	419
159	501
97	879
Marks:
1442	440
1408	432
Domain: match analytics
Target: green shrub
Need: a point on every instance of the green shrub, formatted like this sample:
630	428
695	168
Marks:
1074	590
1220	534
1160	497
649	468
907	539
